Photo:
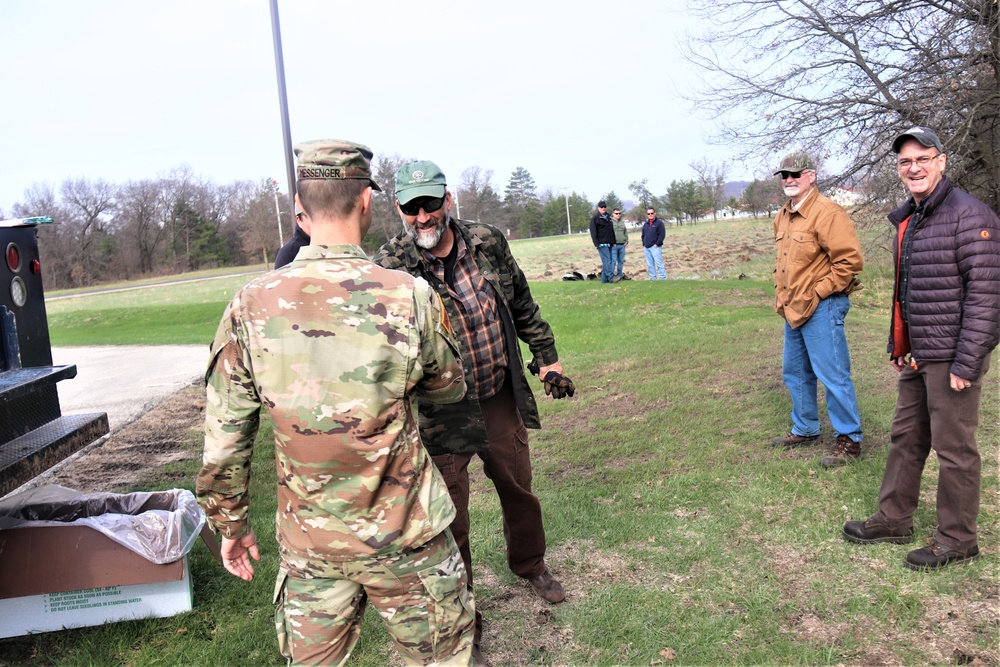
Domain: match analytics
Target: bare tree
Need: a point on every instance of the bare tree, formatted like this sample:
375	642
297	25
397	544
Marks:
385	219
478	198
712	183
843	77
89	206
143	209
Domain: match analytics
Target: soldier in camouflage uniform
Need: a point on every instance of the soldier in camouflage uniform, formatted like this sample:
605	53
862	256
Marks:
338	349
490	305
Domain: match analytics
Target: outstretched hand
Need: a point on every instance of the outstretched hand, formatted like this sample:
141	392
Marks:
236	555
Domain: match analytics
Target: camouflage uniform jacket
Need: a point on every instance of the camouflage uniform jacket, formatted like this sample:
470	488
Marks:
459	428
337	349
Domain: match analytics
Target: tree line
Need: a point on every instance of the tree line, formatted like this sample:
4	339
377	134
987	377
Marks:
181	222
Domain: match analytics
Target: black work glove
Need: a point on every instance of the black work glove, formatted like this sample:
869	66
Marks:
558	385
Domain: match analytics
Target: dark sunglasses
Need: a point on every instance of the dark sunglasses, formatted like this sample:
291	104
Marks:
789	174
429	204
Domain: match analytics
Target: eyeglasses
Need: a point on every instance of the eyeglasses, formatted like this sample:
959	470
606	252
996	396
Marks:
921	161
299	216
429	204
649	215
617	213
785	175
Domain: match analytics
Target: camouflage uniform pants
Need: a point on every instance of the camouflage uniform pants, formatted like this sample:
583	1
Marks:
422	596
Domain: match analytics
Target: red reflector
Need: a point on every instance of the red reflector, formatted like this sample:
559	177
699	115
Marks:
13	257
36	266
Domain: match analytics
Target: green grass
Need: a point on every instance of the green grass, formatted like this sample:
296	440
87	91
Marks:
681	537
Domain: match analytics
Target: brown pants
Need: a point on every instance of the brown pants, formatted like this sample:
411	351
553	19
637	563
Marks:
508	465
930	414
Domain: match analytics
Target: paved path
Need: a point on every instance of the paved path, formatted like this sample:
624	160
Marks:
126	381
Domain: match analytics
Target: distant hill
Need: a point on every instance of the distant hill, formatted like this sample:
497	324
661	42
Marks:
735	188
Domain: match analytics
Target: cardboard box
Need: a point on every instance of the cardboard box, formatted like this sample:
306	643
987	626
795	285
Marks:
56	577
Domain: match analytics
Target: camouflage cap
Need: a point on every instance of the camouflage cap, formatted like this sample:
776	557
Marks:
927	137
798	161
334	159
419	179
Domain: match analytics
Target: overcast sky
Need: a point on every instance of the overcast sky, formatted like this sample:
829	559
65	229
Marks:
583	95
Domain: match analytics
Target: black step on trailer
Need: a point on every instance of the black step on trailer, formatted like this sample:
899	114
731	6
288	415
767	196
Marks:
34	434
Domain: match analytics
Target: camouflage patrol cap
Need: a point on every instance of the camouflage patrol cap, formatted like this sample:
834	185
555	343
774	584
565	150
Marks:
336	159
419	179
798	161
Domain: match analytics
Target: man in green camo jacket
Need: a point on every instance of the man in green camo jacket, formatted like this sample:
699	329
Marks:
338	349
490	306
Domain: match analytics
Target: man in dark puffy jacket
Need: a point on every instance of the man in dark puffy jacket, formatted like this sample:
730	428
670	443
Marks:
945	323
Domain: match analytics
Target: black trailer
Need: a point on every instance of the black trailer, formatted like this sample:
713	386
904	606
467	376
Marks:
34	435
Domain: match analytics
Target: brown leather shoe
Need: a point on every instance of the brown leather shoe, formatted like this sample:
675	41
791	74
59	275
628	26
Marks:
845	451
791	441
548	588
937	556
872	532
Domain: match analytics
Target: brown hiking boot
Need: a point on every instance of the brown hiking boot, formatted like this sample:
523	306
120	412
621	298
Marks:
792	441
873	532
845	451
937	556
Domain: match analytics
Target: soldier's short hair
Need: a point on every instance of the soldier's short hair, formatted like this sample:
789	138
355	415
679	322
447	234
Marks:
333	197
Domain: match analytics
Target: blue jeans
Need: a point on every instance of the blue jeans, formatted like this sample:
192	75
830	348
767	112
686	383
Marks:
617	260
818	350
605	253
654	262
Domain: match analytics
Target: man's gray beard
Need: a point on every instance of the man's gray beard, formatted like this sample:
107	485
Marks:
794	191
429	239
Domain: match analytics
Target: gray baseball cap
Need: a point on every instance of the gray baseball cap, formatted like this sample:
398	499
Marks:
925	135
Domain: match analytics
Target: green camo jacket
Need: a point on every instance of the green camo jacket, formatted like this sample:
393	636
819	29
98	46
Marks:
336	349
459	427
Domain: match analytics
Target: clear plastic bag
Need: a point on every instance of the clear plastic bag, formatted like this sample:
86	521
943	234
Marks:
160	526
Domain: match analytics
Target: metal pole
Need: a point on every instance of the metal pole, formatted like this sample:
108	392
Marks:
279	66
277	211
458	209
568	230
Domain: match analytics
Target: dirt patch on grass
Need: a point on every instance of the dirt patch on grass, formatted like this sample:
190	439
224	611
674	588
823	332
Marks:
137	452
721	249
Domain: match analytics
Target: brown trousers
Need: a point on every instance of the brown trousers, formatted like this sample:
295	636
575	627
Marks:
507	464
931	415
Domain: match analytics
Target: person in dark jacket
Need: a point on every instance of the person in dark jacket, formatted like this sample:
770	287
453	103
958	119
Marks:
603	236
490	306
945	323
653	233
299	239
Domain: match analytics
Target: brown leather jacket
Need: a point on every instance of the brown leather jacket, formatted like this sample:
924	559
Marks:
818	255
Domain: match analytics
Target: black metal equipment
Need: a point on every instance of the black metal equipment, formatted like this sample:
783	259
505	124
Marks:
34	435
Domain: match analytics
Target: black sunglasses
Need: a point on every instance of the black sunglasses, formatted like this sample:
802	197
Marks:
429	204
789	174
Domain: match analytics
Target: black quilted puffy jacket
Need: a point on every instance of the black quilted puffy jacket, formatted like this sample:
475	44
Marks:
948	278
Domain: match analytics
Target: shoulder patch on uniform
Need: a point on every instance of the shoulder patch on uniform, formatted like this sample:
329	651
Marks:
445	320
984	234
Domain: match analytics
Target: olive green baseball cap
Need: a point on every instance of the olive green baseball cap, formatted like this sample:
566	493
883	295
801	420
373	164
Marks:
419	179
798	161
335	159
